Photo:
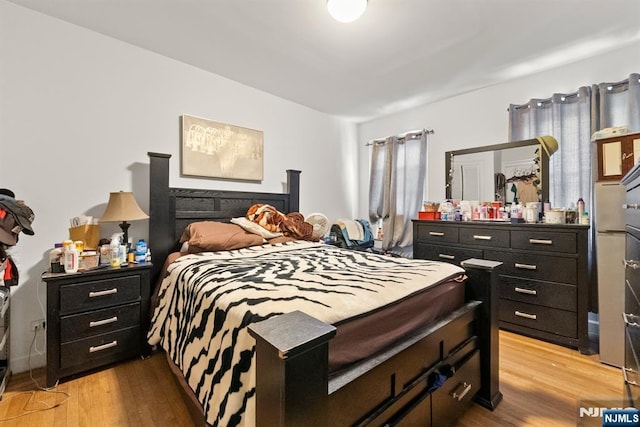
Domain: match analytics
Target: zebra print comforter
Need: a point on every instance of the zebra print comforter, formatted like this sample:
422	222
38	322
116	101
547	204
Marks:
207	301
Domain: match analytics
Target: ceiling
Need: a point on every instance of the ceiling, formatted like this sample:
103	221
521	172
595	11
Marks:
399	54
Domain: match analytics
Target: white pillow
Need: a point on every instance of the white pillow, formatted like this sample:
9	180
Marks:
254	228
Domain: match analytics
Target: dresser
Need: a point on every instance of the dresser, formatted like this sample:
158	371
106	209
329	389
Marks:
631	314
95	318
544	281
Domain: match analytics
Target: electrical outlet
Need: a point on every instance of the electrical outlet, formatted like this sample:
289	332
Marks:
37	325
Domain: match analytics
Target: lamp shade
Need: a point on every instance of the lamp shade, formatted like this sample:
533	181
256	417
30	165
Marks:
122	206
346	10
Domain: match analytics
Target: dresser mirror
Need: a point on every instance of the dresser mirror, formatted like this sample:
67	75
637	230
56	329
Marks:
513	171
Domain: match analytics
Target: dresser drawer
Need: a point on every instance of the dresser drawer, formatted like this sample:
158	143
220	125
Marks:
559	322
548	294
90	295
437	233
111	346
632	353
632	341
78	326
450	254
632	287
484	237
538	267
544	241
632	207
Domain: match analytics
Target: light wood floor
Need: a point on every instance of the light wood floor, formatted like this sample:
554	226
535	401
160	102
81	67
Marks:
541	384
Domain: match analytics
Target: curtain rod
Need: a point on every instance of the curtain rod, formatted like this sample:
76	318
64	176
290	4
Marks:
412	134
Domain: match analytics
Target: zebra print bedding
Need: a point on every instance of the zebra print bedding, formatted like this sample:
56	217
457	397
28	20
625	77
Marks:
207	301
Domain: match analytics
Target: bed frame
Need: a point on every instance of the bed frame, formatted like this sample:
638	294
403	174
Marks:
395	387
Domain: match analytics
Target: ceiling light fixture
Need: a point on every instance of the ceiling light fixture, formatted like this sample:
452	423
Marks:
346	11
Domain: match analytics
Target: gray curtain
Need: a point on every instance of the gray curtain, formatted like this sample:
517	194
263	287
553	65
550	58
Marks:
617	104
566	117
396	188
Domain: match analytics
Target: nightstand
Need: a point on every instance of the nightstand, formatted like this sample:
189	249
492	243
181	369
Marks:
95	318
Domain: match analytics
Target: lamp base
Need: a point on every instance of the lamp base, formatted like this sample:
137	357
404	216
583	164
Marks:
124	226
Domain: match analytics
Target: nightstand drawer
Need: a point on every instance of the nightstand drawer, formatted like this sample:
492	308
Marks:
101	349
545	241
99	293
78	326
484	237
548	294
559	322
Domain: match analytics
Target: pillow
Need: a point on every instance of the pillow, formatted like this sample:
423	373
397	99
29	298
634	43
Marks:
255	228
209	236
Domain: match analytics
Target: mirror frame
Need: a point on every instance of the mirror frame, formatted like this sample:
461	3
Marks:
544	163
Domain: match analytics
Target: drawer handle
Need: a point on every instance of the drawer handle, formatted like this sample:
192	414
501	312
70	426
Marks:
631	264
103	293
630	206
629	320
103	346
103	322
540	242
465	389
481	237
526	315
526	266
626	379
436	233
445	256
526	291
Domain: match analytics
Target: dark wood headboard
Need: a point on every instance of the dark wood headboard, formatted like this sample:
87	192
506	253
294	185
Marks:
171	209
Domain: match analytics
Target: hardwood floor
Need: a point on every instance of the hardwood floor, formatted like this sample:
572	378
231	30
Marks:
541	384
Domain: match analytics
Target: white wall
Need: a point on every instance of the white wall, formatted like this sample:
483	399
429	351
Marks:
79	112
480	117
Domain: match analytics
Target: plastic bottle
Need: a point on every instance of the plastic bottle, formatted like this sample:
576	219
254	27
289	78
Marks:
141	251
71	259
580	210
584	219
56	259
114	250
123	254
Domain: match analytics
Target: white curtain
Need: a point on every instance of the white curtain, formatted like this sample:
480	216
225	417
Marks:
566	117
396	188
617	104
572	119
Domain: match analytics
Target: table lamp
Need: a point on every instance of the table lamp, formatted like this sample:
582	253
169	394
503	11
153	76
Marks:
123	207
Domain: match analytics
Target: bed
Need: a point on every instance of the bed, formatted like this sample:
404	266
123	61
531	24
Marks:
292	363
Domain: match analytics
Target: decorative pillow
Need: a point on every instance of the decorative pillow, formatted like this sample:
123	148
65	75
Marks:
209	236
255	228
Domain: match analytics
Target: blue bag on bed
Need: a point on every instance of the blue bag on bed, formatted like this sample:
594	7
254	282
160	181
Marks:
343	240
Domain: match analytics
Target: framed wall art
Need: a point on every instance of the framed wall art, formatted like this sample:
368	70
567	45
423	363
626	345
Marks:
219	150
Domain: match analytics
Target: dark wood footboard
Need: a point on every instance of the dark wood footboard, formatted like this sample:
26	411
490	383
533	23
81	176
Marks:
427	378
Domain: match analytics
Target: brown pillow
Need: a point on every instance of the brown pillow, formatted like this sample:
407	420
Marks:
208	236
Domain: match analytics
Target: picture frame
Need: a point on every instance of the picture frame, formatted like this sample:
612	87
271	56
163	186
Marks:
212	149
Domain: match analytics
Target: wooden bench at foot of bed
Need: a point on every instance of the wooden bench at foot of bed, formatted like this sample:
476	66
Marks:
426	379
